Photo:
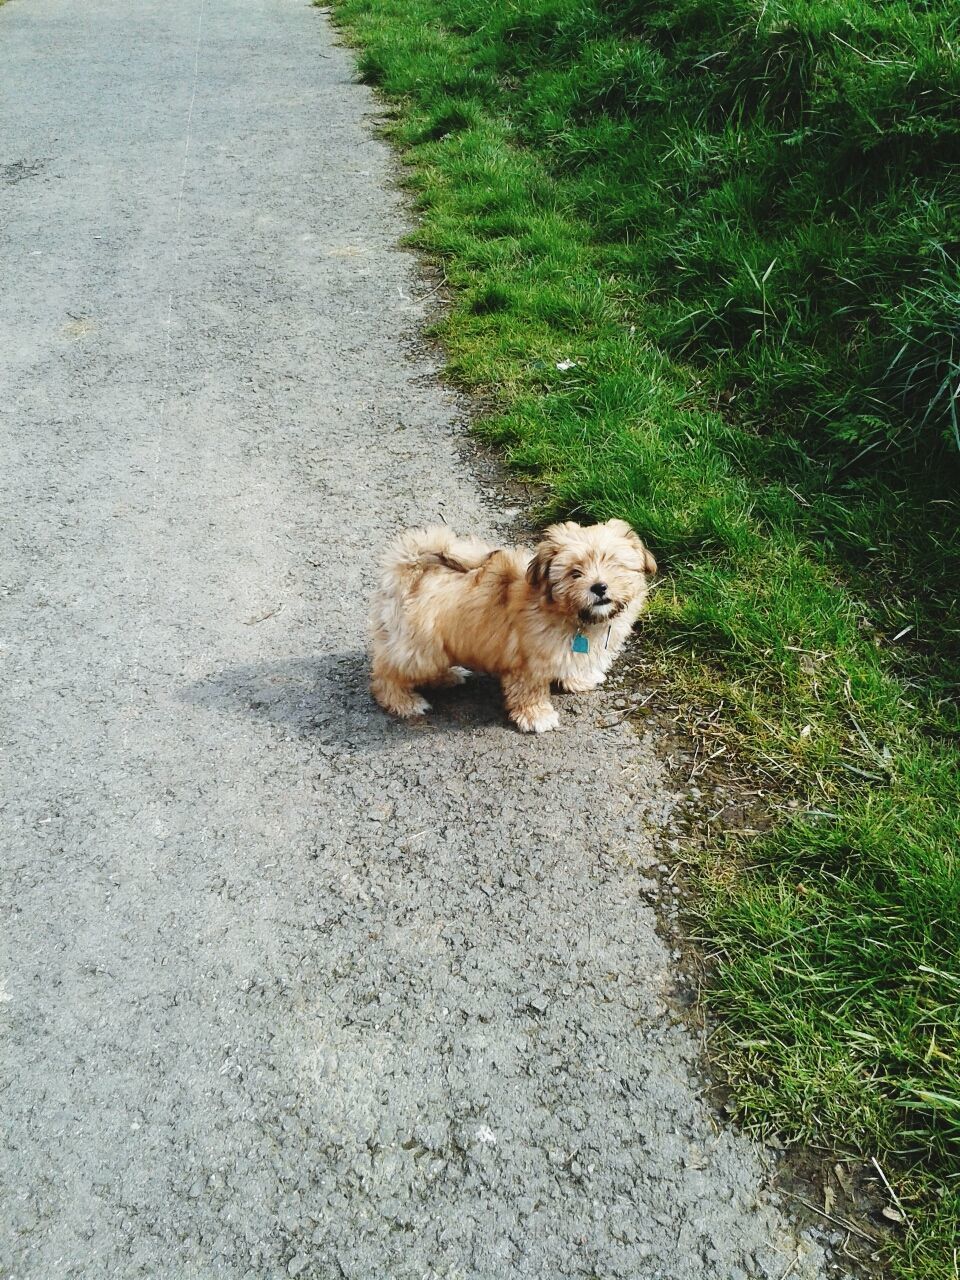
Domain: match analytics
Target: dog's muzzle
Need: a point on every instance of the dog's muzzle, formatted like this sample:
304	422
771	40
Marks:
602	611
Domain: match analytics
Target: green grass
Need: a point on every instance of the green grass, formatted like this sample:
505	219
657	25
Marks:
740	219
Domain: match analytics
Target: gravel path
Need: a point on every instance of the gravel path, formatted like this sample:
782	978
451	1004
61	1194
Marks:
289	989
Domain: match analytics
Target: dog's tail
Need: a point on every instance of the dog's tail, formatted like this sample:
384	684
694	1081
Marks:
418	550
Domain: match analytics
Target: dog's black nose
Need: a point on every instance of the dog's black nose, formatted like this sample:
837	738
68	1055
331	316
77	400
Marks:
599	589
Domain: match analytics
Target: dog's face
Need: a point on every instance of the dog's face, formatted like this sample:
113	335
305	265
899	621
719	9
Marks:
591	573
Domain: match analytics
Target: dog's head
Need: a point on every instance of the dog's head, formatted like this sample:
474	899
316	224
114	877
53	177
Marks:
591	572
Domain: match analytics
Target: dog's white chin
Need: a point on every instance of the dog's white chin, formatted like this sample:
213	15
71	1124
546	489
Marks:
600	612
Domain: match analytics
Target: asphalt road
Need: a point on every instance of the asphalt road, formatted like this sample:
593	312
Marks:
290	989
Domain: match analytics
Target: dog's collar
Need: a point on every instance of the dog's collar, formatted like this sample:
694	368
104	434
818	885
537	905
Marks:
581	643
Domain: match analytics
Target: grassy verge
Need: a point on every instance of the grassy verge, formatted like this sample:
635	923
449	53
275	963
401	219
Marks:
704	257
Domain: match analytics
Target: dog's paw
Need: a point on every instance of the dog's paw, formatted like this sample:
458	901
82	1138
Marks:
584	684
539	721
448	679
411	706
452	677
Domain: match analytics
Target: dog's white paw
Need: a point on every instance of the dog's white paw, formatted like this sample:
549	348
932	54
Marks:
584	684
448	679
538	721
413	706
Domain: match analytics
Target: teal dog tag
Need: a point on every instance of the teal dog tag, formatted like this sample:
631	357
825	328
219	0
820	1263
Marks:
580	644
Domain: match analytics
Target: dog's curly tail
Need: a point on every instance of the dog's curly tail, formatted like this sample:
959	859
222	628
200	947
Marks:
438	547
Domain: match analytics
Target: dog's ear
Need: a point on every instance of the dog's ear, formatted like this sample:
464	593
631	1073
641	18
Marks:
625	531
538	570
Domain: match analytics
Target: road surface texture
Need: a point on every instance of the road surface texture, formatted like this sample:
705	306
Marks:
290	989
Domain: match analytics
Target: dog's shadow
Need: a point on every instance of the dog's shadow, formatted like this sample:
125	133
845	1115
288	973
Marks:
326	699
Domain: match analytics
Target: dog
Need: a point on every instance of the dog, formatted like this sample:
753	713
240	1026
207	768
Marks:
558	614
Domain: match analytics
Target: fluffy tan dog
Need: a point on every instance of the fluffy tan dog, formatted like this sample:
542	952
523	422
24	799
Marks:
558	614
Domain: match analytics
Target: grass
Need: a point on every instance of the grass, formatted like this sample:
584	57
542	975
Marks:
739	221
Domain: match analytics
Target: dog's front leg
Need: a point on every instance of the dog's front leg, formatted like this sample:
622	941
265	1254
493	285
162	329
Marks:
528	704
583	683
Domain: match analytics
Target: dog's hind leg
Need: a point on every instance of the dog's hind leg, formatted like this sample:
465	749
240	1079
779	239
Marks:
528	704
448	679
396	694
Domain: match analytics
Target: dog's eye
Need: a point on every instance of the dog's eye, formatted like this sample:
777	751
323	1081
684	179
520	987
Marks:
576	573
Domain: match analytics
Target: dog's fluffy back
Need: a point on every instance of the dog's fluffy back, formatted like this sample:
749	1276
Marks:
436	599
418	550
